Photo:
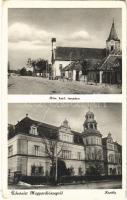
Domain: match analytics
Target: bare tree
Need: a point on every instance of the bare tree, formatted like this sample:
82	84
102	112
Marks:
53	149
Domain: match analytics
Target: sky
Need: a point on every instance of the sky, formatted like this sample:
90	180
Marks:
107	115
30	30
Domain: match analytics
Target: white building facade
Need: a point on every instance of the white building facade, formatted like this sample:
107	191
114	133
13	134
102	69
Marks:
30	149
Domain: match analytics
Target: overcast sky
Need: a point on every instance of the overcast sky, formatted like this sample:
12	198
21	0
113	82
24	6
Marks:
108	116
30	30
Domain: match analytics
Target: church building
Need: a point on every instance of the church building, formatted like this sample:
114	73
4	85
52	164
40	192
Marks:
90	64
33	146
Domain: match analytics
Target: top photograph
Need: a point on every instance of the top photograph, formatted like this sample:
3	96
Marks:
64	51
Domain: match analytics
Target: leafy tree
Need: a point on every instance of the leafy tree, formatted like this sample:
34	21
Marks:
39	65
23	72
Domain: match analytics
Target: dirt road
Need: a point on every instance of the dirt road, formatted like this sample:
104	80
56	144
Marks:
38	85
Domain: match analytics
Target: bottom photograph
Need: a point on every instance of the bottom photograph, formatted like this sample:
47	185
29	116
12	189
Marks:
65	145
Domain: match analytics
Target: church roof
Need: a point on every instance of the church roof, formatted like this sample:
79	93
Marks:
113	34
90	65
111	63
74	53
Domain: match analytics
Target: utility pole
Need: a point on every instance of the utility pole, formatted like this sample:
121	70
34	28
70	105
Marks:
52	58
46	67
56	165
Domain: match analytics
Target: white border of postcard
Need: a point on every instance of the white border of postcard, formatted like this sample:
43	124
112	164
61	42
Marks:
121	98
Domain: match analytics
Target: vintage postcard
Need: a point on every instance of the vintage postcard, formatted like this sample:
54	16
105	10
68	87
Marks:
63	124
65	146
65	50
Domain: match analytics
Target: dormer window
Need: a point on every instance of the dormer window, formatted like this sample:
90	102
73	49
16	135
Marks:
33	130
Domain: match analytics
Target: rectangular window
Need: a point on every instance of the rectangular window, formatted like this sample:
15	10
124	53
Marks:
66	154
35	170
79	155
10	150
36	149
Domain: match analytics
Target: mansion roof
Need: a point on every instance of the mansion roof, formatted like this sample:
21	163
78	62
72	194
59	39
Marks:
74	53
44	130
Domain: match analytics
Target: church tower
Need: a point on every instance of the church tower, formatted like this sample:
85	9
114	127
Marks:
92	140
113	42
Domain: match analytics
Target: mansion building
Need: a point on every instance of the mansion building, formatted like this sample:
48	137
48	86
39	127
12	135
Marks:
100	65
29	143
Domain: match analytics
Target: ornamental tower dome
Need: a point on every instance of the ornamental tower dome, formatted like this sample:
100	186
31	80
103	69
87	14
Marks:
90	123
65	123
92	140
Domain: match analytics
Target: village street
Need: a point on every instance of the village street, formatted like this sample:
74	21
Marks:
108	184
39	85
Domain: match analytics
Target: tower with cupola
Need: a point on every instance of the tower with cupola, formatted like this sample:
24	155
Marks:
113	42
92	139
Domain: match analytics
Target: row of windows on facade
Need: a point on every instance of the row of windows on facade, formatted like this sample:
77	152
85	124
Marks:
111	158
94	156
112	146
66	137
114	158
63	136
91	125
66	154
92	140
39	170
69	138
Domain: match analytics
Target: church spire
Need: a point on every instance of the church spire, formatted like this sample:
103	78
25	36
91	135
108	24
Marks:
113	35
113	42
